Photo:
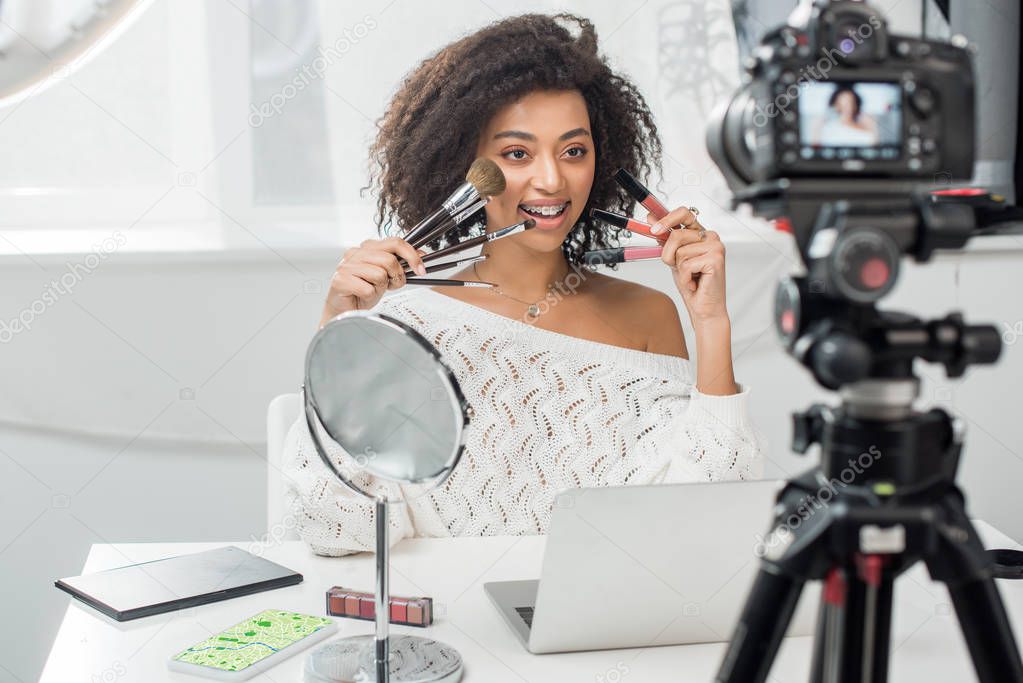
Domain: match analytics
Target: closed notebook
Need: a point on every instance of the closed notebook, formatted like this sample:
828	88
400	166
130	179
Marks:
140	590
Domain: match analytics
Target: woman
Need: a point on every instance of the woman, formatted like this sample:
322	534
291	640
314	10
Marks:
847	125
593	390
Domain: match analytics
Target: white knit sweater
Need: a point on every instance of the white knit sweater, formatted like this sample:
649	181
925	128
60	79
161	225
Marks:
548	412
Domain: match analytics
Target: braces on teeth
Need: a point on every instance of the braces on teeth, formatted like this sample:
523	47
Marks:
544	210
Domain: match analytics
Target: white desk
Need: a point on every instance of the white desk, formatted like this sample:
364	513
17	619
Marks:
927	643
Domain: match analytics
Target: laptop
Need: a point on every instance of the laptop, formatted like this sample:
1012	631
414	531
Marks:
636	566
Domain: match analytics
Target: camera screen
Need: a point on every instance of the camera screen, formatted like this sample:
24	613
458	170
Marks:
849	120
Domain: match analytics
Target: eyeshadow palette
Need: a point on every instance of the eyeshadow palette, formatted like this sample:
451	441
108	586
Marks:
345	602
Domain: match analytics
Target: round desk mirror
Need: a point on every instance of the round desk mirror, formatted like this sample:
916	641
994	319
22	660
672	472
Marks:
381	393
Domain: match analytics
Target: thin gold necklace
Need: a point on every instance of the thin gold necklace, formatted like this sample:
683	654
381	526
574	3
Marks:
533	309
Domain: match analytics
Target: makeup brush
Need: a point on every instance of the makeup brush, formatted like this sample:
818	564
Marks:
476	241
450	223
444	281
483	180
448	264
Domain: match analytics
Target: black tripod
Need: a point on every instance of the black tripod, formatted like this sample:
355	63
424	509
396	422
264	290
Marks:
883	497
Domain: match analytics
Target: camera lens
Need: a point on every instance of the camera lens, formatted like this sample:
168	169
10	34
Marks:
731	136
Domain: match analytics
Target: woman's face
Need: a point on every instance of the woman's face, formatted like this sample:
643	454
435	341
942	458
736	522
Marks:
845	104
543	144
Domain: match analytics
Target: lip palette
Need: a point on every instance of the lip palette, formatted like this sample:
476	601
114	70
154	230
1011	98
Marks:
345	602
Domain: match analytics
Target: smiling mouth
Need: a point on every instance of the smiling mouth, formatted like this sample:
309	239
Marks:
554	211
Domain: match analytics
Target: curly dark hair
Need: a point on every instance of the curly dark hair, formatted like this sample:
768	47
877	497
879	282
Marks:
428	136
856	98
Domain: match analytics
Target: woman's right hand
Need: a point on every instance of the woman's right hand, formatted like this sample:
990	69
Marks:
365	272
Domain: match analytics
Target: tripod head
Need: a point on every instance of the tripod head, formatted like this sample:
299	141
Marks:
827	318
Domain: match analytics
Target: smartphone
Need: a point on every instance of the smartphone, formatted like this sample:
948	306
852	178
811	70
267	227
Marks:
252	646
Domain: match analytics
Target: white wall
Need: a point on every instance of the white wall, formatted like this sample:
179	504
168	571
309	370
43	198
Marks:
133	409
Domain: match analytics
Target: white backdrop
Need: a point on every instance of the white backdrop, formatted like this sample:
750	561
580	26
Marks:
134	407
161	156
681	55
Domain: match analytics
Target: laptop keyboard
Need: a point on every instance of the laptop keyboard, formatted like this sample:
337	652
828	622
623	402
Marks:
527	615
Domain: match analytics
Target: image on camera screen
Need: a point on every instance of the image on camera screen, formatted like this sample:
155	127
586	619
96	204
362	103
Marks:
846	119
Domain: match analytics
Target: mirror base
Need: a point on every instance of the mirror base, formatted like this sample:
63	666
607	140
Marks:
412	660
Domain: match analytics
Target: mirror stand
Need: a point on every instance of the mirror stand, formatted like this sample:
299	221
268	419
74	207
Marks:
401	659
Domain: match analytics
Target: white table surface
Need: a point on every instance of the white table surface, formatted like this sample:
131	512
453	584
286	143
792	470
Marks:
927	644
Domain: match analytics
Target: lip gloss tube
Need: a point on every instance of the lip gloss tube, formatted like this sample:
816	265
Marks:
631	224
345	602
640	193
646	198
605	257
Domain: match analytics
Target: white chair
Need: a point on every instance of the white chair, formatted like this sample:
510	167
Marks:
281	414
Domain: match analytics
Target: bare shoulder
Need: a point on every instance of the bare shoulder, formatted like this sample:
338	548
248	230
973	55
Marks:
651	312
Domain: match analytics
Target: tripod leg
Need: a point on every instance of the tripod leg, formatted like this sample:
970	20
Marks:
875	628
761	627
960	562
854	626
986	628
830	636
878	633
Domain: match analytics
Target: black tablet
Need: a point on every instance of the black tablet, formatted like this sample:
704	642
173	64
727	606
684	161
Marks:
140	590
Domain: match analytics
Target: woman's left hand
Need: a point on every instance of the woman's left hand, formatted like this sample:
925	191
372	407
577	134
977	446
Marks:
698	265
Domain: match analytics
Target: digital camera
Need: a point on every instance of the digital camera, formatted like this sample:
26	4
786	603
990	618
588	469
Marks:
833	94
